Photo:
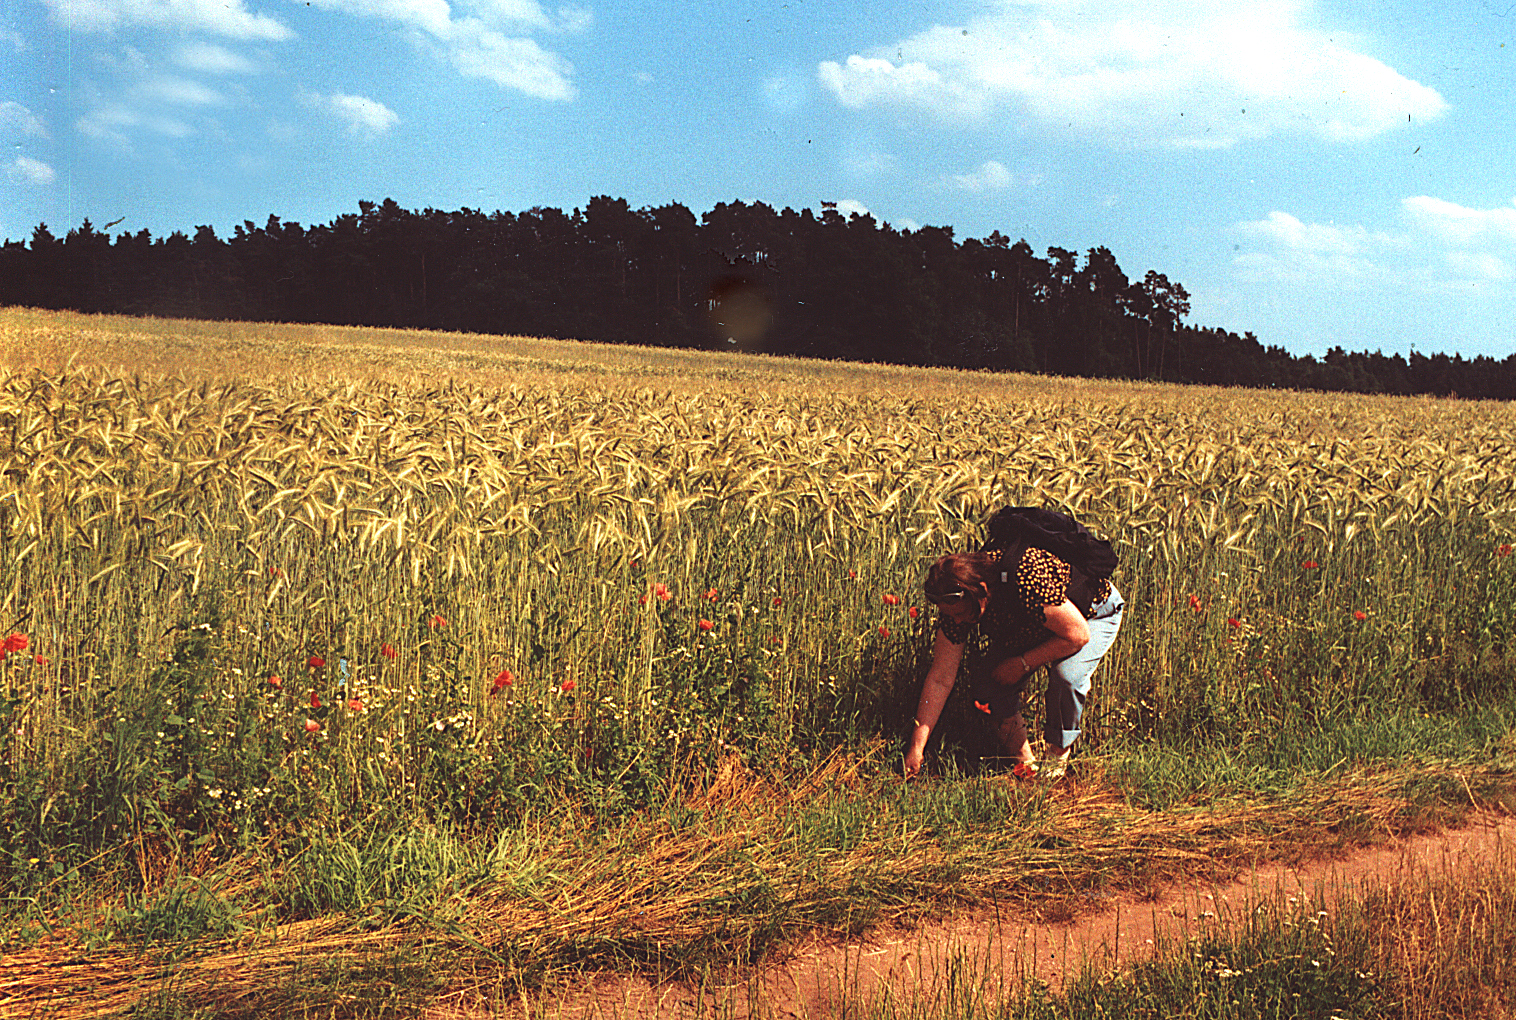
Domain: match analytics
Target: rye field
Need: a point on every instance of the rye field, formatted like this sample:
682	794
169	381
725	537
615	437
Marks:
391	662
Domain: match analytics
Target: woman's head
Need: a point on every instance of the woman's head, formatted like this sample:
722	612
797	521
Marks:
959	584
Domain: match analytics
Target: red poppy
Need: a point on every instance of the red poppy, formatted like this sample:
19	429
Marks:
569	685
892	600
276	683
711	595
915	612
315	662
437	620
311	726
1310	565
777	602
1196	605
705	624
502	681
982	707
388	651
884	631
1360	615
852	575
354	705
40	660
315	700
16	643
1503	550
642	600
662	591
1233	622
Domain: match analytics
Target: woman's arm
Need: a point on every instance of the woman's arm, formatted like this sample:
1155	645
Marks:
934	692
1070	633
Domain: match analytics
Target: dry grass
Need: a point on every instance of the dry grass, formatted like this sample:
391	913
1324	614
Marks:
652	911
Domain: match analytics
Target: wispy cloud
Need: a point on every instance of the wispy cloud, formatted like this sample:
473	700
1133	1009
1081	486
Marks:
176	91
1437	246
24	170
362	116
228	18
208	58
510	61
991	175
114	123
488	42
18	119
490	39
1461	226
1149	74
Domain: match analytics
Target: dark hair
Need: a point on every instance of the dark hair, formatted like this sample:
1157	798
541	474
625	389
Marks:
959	572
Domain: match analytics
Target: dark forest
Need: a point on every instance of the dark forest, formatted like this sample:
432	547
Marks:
740	276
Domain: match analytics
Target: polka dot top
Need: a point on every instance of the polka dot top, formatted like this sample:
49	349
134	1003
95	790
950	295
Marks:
1013	620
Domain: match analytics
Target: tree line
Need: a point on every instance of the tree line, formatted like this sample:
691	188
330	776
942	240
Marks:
740	276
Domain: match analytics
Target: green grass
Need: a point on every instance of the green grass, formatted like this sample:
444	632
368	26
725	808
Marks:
1316	650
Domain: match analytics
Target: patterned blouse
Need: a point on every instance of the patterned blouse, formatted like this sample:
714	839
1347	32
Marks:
1013	620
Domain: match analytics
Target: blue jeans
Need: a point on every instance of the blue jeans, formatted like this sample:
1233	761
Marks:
1068	678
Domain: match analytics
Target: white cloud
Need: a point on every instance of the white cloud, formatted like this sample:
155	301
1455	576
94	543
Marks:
574	19
362	116
523	12
867	162
24	170
111	122
991	175
1460	225
227	18
176	91
16	40
1142	73
1439	246
432	16
1312	253
849	207
487	44
14	116
211	59
1481	266
1289	233
516	63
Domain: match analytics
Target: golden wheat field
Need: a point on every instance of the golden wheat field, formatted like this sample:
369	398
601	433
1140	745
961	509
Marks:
319	617
332	485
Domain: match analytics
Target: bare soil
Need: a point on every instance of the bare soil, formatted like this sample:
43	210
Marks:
821	977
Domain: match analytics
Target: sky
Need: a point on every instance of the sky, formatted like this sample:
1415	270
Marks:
1337	173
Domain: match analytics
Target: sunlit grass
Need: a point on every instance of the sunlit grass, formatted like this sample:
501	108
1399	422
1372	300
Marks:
583	655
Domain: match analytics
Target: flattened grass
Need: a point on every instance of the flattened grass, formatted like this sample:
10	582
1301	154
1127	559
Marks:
723	878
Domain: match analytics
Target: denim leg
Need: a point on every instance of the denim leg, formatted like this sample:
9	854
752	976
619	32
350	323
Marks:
1069	679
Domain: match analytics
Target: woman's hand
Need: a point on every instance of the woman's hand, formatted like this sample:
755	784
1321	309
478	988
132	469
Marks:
913	758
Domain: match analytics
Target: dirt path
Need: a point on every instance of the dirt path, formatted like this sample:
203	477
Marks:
813	982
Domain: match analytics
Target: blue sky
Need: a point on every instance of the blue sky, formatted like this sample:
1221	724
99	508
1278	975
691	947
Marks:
1330	173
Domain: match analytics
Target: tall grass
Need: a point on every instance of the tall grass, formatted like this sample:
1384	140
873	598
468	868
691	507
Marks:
365	621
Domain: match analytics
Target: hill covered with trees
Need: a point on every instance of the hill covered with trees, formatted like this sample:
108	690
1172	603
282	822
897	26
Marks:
741	275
